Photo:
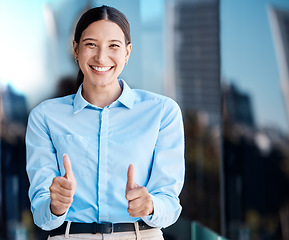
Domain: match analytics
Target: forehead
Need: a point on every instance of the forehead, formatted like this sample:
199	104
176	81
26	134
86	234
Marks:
103	30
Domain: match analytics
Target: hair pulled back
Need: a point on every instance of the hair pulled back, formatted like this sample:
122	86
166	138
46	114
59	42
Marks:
96	14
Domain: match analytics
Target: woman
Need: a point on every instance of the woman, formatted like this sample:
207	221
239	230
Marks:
108	159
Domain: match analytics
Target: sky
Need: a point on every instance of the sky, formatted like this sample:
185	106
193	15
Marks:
22	40
249	60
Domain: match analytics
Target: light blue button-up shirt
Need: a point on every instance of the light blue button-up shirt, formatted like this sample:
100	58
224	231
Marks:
140	127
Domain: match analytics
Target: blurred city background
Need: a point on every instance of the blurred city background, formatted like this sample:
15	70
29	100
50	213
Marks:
226	62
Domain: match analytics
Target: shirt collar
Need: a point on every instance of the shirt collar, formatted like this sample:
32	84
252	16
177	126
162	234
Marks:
126	98
79	102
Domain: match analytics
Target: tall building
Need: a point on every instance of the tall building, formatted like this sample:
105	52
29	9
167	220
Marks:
237	106
198	57
279	20
197	71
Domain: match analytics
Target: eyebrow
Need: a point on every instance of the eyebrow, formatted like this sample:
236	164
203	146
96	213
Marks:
92	39
116	41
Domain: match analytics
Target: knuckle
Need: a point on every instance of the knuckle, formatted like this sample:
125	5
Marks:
148	198
144	189
69	200
147	209
127	196
131	214
52	196
69	184
130	205
52	188
55	180
70	194
67	205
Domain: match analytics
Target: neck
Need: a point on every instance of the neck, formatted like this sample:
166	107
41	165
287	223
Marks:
101	96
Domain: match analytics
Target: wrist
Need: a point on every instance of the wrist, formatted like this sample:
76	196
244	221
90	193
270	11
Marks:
57	211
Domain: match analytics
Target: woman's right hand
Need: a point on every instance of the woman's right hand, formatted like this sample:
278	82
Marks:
62	189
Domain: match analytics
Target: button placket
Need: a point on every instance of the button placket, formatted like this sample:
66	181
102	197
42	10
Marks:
102	183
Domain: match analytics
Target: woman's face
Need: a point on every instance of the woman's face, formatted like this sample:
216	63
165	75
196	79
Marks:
101	53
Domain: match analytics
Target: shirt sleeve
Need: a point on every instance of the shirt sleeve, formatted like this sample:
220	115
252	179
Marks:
167	174
42	167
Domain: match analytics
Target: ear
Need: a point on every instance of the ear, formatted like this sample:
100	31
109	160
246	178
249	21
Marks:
128	51
75	49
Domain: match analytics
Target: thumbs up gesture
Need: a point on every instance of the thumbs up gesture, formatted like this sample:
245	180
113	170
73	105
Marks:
140	203
62	189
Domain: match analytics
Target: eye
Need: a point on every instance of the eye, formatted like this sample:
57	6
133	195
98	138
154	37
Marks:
90	44
114	45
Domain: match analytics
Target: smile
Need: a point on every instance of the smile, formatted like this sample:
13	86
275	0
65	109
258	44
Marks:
101	69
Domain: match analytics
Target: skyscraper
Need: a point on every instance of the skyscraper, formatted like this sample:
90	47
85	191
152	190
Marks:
198	57
279	20
197	71
237	106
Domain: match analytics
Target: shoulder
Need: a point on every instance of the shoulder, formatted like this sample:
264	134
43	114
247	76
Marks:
52	105
167	109
154	98
166	105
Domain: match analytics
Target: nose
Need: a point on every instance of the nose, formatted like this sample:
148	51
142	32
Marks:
100	55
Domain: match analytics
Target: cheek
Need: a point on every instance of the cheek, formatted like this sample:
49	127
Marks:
120	56
85	55
83	59
85	52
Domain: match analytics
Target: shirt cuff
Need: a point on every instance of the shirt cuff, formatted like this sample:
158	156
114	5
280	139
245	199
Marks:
53	220
152	220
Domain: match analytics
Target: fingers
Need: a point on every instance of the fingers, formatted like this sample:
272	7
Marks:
59	203
136	193
62	189
61	195
59	207
67	167
137	213
140	202
62	186
60	200
130	184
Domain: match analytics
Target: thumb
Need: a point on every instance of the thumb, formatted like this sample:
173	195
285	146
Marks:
67	167
130	184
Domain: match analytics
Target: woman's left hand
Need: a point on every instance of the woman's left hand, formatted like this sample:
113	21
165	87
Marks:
140	203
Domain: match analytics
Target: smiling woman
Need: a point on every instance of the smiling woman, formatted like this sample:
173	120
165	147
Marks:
102	48
102	53
108	159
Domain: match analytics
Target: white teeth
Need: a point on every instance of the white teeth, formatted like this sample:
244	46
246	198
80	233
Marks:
101	69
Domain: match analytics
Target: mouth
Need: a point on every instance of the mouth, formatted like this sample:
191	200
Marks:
101	69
